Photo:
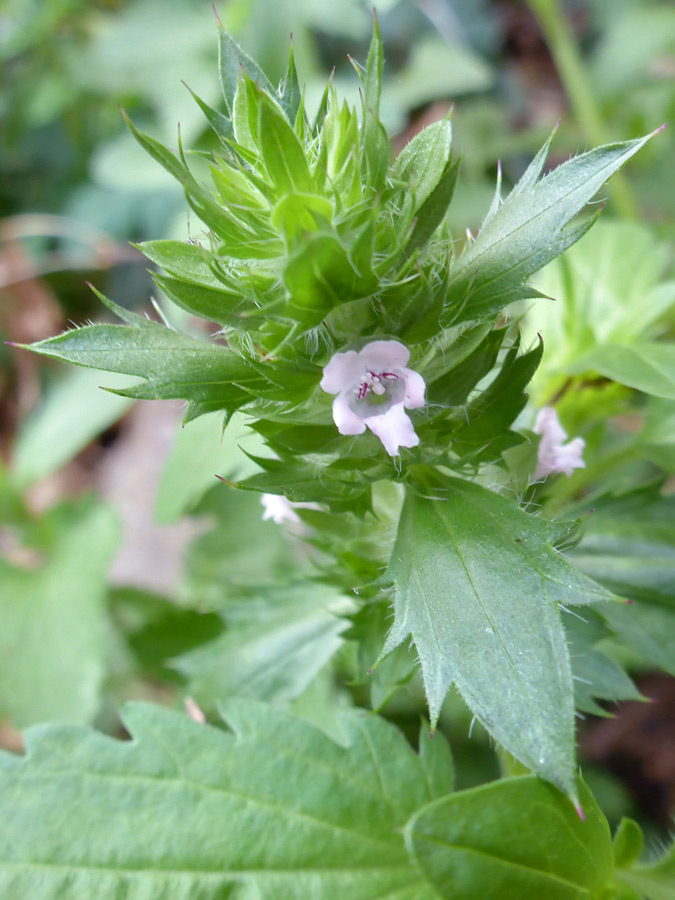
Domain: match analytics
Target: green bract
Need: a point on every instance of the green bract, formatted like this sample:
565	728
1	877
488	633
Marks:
316	243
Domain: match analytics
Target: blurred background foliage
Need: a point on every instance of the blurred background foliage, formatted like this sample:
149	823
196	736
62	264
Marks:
125	568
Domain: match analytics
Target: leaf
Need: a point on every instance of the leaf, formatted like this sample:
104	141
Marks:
201	451
607	289
191	812
595	675
53	621
485	431
655	880
478	586
232	63
276	643
528	230
516	838
282	152
422	161
224	564
73	412
175	365
629	545
647	366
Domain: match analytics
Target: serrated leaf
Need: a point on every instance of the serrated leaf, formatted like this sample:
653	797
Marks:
516	838
478	586
528	230
53	622
175	365
190	812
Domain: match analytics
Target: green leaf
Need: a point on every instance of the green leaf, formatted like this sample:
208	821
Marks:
433	211
190	812
53	621
225	563
485	430
516	838
282	152
175	365
647	366
527	230
596	676
73	412
232	63
276	643
654	881
607	290
629	545
422	161
478	586
628	843
201	451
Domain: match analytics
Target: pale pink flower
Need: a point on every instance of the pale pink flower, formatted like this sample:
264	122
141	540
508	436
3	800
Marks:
280	509
554	454
374	389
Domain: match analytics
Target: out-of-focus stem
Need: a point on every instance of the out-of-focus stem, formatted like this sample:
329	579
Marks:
570	67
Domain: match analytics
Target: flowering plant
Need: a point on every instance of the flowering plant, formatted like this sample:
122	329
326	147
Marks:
329	270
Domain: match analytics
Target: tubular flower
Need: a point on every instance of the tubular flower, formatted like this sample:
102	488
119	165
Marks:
280	509
374	389
554	455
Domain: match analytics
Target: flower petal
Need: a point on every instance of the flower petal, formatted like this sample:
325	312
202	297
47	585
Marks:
345	418
548	425
343	371
384	356
394	429
278	508
414	389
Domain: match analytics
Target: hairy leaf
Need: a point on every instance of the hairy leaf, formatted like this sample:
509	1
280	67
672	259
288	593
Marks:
190	812
528	230
478	586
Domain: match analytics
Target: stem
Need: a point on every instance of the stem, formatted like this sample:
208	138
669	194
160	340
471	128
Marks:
570	67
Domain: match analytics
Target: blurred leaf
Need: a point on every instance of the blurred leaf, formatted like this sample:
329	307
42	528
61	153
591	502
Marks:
607	289
438	70
496	633
644	365
203	449
156	630
516	838
655	880
53	621
628	843
276	642
238	553
72	413
329	828
595	675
